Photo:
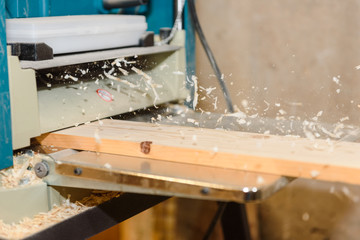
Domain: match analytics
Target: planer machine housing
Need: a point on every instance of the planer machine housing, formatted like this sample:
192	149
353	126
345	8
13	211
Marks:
49	95
37	97
79	87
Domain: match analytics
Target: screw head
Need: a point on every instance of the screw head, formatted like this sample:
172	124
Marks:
77	171
41	169
205	191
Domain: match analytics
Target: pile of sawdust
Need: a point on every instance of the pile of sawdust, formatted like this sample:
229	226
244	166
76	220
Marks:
28	226
22	174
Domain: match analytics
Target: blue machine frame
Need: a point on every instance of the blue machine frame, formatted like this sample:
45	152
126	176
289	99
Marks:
5	116
157	15
157	11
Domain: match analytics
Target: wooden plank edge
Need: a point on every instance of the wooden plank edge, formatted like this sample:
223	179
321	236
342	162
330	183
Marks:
259	164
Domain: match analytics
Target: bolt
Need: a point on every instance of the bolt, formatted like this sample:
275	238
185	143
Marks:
29	153
41	169
77	171
205	191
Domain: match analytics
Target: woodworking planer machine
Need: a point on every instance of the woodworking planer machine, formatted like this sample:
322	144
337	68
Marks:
68	70
64	71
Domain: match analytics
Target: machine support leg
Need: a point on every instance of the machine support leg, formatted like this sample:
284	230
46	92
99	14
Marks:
234	222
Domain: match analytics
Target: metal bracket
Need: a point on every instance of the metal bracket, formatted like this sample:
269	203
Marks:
128	174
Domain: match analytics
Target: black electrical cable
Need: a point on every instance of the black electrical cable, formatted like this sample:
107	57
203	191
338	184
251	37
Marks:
217	216
210	55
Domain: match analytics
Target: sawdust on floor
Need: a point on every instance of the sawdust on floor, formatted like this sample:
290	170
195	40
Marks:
67	209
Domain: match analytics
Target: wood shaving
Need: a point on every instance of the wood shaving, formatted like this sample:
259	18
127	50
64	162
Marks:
330	134
215	103
344	119
118	62
194	139
163	66
178	73
267	105
336	80
67	76
148	81
29	226
97	136
123	71
21	173
196	95
109	76
314	173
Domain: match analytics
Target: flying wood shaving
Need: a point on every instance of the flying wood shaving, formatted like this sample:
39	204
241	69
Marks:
308	134
67	76
123	71
267	105
111	71
178	73
196	95
314	173
241	121
208	90
191	120
194	139
97	136
344	119
245	103
215	103
107	165
118	62
139	72
282	111
338	129
336	80
29	226
237	114
148	81
163	66
120	80
330	134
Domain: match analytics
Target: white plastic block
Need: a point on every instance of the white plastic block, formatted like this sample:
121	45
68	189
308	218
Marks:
66	34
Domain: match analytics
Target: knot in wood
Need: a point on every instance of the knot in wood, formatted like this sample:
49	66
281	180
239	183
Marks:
145	147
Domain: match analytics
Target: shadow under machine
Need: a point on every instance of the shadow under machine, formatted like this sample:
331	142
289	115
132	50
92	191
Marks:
73	63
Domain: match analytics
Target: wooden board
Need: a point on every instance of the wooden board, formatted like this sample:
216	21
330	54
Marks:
280	155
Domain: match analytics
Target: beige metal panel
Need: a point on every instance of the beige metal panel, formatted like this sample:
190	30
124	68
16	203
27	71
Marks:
24	104
63	106
24	201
